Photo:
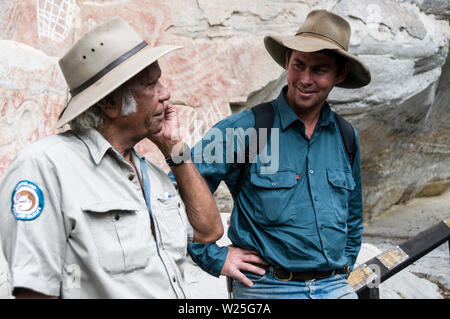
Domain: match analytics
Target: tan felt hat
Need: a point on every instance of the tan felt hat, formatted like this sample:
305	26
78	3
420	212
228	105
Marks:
103	59
321	30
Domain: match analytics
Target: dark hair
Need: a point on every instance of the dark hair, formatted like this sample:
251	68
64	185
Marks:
340	60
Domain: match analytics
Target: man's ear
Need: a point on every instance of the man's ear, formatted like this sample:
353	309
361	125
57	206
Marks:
343	73
110	107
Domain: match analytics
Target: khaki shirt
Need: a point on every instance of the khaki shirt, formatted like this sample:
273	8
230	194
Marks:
74	222
5	278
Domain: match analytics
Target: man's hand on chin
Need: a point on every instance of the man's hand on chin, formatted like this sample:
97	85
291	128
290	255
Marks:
168	138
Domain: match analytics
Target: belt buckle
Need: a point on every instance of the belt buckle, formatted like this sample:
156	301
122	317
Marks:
281	279
347	269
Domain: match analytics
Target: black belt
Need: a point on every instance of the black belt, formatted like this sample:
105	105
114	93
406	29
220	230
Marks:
310	275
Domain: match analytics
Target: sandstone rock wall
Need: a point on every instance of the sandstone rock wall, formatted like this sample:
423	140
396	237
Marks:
402	116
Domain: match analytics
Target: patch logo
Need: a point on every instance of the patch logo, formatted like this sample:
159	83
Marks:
27	201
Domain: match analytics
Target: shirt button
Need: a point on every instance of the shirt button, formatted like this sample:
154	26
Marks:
131	177
174	279
117	217
316	198
274	184
311	171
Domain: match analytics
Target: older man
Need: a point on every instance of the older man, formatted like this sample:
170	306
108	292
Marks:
83	214
296	231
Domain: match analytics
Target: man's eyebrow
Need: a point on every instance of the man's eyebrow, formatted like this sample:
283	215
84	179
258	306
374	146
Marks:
298	60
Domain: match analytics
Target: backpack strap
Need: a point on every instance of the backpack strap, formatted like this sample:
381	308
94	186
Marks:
348	137
264	116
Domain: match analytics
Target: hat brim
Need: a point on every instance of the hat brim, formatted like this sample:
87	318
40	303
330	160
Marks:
358	76
111	81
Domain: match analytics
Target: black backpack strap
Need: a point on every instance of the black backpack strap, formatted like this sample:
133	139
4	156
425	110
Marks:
264	116
348	136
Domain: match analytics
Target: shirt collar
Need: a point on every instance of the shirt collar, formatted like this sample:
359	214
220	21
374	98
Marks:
325	115
288	116
98	145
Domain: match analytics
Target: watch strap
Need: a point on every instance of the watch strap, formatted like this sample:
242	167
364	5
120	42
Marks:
181	158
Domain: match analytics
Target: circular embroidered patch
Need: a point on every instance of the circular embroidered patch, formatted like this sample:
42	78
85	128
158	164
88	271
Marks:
27	201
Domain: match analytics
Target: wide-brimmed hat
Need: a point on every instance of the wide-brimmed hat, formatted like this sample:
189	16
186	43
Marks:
321	30
103	59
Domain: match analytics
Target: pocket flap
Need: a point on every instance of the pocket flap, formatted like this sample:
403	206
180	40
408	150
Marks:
340	178
105	206
285	179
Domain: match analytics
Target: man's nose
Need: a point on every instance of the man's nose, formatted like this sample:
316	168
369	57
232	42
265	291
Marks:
306	77
164	93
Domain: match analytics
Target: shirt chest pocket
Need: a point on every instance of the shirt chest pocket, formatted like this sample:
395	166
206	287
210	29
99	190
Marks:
172	224
341	183
121	233
274	196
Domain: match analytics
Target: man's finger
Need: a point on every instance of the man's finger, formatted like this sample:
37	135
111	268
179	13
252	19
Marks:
256	259
253	268
249	252
242	278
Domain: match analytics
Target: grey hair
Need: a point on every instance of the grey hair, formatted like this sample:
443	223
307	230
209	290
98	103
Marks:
92	117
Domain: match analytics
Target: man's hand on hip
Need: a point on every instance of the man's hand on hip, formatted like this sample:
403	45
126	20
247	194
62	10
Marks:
239	259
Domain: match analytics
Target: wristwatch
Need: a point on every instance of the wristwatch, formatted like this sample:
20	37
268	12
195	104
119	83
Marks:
181	158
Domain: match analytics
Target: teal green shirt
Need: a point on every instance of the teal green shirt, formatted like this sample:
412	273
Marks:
305	215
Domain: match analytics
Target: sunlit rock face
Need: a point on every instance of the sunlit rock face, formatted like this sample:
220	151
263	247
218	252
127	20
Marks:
402	116
31	95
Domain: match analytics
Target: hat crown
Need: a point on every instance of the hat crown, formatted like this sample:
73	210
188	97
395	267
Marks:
327	25
321	30
99	47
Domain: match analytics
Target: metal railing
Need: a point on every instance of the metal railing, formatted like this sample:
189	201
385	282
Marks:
365	279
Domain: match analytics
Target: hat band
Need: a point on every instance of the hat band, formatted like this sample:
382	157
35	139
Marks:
323	37
107	68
